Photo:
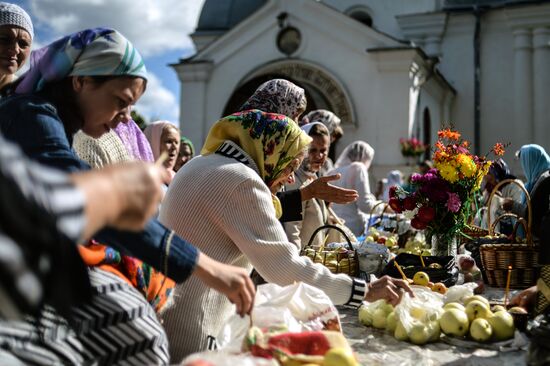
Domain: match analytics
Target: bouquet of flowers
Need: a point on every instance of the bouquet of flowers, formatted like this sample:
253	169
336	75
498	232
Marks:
412	147
440	202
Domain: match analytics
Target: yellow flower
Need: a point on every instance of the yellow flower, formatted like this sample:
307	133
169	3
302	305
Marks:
482	173
467	165
448	172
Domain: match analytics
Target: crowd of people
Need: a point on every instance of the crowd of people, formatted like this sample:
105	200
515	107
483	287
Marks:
90	274
119	245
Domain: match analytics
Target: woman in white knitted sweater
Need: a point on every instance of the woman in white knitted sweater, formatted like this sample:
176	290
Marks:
223	202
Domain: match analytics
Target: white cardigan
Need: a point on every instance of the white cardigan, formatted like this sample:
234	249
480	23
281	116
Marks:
224	208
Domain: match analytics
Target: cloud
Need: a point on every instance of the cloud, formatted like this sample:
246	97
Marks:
154	26
157	101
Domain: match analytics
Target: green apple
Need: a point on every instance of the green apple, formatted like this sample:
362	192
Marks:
365	315
379	318
339	356
419	333
477	309
400	333
498	308
476	297
481	330
417	313
454	322
435	331
503	325
369	239
391	322
454	305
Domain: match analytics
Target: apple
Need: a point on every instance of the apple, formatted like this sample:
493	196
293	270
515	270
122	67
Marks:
454	305
466	263
379	318
498	308
439	287
339	356
391	322
503	325
419	333
475	297
417	313
477	309
400	333
365	315
369	239
435	330
381	240
199	363
454	322
421	278
516	310
481	330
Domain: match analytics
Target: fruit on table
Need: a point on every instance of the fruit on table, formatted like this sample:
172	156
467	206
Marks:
503	325
391	322
481	330
475	297
417	313
454	322
439	287
421	278
435	266
379	318
400	333
419	333
365	315
496	308
339	357
454	305
516	310
466	263
477	309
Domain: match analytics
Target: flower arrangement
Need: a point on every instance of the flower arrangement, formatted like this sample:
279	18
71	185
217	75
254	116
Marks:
440	200
412	147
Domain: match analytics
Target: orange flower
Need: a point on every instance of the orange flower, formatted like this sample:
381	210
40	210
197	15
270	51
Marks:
466	144
439	145
498	149
448	134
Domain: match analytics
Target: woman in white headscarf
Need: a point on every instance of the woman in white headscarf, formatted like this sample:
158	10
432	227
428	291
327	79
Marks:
353	164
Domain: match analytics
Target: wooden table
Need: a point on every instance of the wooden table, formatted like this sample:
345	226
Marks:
376	347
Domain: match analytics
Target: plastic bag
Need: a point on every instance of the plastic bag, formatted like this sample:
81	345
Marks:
426	306
213	358
373	257
459	292
294	308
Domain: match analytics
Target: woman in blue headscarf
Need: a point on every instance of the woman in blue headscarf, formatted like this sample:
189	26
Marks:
89	80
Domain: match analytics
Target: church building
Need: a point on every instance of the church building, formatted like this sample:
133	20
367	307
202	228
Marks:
389	69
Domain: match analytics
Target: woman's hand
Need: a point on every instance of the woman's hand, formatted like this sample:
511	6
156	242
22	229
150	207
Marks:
389	289
526	298
321	189
233	282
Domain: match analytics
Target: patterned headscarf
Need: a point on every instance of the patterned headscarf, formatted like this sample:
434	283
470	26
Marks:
278	96
271	140
358	151
91	52
534	161
329	119
135	141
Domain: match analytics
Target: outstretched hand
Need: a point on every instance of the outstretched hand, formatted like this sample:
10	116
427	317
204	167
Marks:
321	189
389	289
234	282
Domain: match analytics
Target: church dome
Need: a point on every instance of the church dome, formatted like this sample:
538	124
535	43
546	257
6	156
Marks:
225	14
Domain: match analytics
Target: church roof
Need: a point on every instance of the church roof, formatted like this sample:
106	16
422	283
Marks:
225	14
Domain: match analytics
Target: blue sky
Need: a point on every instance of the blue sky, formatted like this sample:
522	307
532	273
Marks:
158	28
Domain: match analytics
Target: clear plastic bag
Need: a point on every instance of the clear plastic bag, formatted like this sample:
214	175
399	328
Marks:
426	307
213	358
294	308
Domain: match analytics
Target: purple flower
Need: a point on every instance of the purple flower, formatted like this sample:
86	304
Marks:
436	189
416	178
453	202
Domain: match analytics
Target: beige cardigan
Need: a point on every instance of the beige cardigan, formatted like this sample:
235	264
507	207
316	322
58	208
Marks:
224	208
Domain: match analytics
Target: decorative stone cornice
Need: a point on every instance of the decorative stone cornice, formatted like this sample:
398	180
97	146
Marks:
532	16
193	71
424	25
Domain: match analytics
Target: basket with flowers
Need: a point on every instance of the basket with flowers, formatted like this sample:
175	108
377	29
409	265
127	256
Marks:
412	147
440	201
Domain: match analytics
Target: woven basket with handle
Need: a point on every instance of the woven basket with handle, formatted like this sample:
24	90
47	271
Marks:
522	257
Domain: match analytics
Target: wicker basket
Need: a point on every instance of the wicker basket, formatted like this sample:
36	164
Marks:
523	258
336	260
386	206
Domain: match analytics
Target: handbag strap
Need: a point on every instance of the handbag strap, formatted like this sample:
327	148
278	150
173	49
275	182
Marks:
326	227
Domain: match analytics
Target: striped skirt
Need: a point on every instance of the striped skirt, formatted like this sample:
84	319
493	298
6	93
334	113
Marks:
117	327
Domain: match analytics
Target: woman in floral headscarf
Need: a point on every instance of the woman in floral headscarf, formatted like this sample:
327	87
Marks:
353	164
224	200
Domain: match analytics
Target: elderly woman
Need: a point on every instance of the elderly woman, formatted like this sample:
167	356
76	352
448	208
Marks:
314	211
16	34
164	137
89	80
187	151
332	122
353	164
225	202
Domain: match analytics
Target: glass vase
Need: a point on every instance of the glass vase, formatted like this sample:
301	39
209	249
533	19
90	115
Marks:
444	245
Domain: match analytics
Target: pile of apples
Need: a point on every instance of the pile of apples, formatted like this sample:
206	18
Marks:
415	246
473	318
383	238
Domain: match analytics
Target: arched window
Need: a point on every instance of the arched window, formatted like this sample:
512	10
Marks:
361	14
427	132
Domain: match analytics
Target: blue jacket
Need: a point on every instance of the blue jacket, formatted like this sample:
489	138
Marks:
33	123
